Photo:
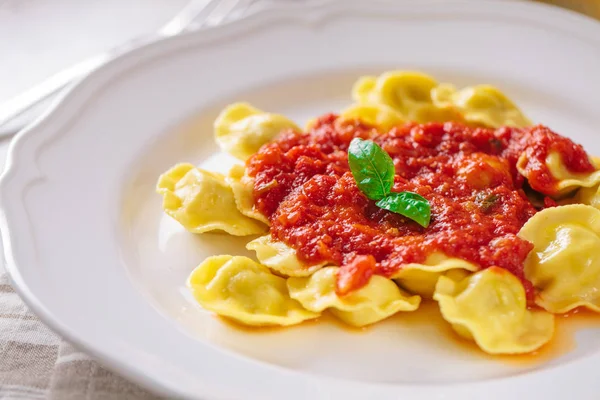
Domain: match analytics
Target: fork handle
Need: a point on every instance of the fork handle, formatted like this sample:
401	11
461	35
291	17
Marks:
38	94
25	108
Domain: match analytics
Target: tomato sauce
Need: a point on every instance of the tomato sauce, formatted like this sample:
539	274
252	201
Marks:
304	186
536	144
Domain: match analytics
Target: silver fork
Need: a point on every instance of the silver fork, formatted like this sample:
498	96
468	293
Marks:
23	109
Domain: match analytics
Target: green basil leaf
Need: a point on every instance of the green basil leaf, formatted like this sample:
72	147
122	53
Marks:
372	168
409	204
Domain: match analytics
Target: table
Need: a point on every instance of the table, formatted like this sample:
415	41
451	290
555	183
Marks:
38	40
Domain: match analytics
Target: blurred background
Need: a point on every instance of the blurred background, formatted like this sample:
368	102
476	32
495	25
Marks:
41	37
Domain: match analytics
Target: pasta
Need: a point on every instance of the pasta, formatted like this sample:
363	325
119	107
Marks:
589	196
242	187
201	201
374	114
421	278
280	257
409	93
490	308
241	289
377	300
241	129
567	179
483	105
555	166
418	191
565	263
419	97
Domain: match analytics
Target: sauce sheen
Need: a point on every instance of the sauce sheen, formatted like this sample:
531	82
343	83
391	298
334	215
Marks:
304	186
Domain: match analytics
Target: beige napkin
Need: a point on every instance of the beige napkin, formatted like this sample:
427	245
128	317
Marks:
36	364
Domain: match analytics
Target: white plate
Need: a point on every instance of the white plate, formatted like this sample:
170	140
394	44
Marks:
90	251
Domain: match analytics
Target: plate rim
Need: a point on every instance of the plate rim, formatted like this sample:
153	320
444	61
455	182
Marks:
311	14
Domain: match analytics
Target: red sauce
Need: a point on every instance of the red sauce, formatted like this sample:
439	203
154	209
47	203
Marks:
304	186
355	274
536	143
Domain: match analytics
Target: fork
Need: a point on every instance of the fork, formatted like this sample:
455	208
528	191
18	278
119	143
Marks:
26	107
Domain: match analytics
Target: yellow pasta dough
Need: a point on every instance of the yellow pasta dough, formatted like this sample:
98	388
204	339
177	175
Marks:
241	289
310	124
243	187
481	105
490	308
564	264
407	92
421	278
202	201
379	115
280	257
241	129
566	179
377	300
589	196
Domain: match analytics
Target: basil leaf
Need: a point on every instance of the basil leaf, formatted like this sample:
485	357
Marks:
372	168
409	204
373	171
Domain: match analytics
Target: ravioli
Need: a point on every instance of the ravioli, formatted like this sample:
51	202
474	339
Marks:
280	257
490	308
564	265
589	196
241	129
421	279
202	201
566	179
379	115
481	105
377	300
460	175
243	188
407	92
241	289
